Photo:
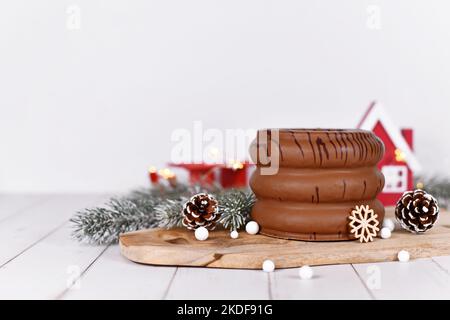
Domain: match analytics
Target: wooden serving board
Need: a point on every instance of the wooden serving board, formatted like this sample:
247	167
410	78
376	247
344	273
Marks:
178	247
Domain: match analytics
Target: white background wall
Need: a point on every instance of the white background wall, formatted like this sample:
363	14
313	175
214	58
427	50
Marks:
89	109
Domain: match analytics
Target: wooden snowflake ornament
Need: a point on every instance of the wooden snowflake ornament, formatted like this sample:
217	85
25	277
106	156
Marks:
364	223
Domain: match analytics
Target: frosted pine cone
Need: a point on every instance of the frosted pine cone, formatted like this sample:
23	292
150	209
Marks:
417	211
201	211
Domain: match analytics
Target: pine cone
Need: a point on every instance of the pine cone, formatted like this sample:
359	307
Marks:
201	211
417	211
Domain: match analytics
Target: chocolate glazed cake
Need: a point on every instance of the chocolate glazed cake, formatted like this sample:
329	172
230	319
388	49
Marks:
323	174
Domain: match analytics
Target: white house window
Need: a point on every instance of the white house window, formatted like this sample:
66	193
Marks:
396	179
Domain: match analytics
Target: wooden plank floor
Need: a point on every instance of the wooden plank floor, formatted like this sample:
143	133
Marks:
39	260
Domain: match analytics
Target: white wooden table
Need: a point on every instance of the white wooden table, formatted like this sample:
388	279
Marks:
40	260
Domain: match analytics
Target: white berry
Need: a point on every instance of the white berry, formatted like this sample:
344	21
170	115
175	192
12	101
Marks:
389	223
306	273
403	256
385	233
234	234
252	227
268	266
201	234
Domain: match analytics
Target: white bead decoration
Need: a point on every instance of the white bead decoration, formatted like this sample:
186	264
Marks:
268	266
201	234
306	273
403	256
385	233
234	234
389	223
252	227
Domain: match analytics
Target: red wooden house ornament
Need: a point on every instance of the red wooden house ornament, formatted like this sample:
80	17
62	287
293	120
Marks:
399	163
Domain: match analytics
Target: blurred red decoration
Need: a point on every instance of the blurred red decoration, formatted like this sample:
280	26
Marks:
153	175
169	176
231	175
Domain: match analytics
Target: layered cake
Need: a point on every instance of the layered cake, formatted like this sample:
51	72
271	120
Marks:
307	181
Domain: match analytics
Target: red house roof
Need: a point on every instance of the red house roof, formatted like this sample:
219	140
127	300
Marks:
376	114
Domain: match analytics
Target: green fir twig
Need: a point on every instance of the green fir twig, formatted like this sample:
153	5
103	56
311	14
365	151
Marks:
103	225
169	213
235	207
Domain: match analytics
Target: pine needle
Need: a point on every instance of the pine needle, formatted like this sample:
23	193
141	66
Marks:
169	213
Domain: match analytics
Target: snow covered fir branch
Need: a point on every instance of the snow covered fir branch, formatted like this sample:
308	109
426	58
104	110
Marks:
156	207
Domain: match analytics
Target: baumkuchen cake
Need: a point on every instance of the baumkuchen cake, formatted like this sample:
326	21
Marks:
322	175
